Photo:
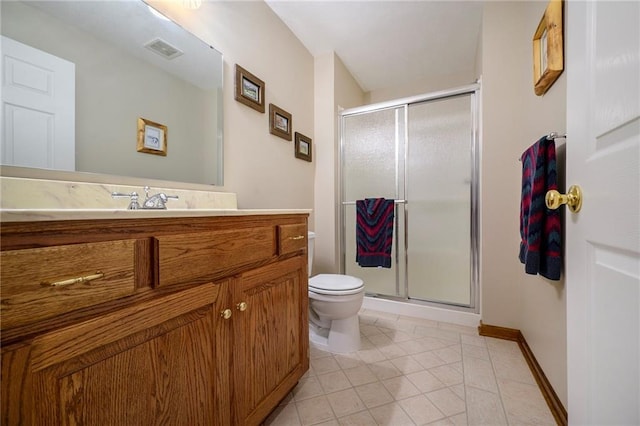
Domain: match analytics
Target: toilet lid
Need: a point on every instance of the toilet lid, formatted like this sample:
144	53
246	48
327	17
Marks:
335	284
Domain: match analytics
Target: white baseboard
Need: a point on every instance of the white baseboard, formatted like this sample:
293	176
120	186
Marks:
421	311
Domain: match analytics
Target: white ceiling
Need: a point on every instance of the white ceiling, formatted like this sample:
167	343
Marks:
386	42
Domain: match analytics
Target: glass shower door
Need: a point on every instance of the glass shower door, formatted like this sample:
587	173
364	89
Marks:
372	167
423	155
439	210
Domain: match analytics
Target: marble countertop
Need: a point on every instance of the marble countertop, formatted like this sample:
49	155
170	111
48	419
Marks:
29	200
31	215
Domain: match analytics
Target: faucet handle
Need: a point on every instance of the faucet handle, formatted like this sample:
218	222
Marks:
133	205
164	197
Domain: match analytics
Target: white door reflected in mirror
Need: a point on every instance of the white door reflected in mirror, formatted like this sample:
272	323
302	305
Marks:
38	101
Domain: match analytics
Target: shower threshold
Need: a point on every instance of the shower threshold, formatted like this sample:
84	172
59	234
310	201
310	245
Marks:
439	312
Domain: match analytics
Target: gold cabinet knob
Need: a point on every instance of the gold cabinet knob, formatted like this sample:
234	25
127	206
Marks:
573	199
242	306
226	314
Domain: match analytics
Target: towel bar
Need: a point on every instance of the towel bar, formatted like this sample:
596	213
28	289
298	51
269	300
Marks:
554	136
345	203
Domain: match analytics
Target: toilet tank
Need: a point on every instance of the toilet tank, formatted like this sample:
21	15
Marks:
311	238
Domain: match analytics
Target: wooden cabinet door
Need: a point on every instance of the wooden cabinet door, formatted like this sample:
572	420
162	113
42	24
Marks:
147	364
271	337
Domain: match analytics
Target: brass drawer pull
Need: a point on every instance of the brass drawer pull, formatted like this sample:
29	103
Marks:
299	237
242	306
78	280
226	314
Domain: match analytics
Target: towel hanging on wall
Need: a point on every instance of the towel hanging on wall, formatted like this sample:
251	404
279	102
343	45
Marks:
540	227
374	232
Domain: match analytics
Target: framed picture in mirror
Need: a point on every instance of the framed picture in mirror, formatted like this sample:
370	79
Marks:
303	147
249	89
152	137
279	122
548	62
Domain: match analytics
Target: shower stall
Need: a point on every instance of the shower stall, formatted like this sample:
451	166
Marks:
422	152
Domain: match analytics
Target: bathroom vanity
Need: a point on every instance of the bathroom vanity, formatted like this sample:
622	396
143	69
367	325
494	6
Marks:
148	320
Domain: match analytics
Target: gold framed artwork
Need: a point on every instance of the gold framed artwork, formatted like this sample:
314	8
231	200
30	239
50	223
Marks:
152	137
548	54
249	89
279	122
303	147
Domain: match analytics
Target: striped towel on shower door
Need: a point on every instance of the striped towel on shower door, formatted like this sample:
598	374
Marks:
374	232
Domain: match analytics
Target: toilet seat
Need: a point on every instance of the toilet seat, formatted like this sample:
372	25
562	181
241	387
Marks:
335	284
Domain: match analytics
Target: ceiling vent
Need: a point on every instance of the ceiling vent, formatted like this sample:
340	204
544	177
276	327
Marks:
163	48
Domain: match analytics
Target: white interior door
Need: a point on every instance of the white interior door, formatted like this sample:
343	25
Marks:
603	239
38	108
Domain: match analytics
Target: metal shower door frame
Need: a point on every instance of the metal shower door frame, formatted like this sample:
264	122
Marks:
401	193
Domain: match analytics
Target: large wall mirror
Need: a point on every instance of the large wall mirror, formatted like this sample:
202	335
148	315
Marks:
112	64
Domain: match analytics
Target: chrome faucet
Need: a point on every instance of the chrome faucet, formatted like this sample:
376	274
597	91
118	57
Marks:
154	202
158	201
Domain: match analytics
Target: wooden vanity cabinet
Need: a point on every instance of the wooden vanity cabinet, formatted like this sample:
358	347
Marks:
197	330
150	363
270	349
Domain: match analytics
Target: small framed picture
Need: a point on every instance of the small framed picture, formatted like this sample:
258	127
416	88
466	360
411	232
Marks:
152	137
548	55
279	122
249	89
303	147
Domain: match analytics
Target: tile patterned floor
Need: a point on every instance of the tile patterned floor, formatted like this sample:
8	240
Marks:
416	372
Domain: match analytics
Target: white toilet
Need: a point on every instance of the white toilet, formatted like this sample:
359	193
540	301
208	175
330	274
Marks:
334	302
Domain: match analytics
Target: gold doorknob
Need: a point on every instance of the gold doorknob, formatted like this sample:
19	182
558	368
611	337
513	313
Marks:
226	314
242	306
573	199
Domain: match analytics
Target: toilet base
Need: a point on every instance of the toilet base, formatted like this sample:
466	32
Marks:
342	337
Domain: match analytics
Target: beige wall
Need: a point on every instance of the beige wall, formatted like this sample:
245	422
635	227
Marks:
259	167
325	183
336	89
513	118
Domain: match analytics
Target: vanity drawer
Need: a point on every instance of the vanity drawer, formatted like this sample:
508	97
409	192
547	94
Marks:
292	238
27	294
206	255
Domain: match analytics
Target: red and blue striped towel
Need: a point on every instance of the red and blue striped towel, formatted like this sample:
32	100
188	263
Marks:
540	227
374	232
